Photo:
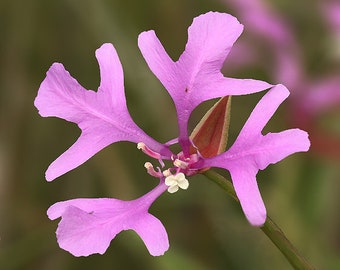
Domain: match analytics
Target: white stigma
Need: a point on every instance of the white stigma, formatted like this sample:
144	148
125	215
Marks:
174	182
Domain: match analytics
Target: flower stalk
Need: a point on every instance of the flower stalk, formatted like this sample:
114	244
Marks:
270	228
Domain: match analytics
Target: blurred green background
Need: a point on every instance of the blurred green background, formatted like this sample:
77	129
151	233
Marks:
207	229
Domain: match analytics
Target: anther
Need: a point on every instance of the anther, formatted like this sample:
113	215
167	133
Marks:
146	150
181	164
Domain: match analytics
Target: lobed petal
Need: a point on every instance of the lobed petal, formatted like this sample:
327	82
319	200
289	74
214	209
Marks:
88	225
153	234
158	60
262	113
102	116
210	39
196	76
246	188
253	151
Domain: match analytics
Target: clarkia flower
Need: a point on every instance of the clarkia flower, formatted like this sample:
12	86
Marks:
88	225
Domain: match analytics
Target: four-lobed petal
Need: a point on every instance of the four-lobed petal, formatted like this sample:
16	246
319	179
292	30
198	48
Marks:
196	76
253	151
88	225
102	116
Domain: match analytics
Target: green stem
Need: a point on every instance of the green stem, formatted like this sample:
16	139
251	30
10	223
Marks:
270	228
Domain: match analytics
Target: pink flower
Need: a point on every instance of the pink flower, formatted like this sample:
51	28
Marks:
88	225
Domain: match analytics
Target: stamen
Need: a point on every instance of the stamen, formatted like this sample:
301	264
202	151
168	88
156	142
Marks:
181	164
150	170
166	173
146	150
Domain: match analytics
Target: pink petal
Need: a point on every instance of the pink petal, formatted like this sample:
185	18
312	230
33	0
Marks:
111	87
82	233
196	76
248	193
88	225
102	116
158	60
262	113
153	234
210	39
252	152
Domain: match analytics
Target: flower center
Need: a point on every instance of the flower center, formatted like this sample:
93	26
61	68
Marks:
174	176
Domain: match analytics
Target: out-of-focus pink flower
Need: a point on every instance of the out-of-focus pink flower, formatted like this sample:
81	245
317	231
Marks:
268	28
261	19
331	15
310	97
331	12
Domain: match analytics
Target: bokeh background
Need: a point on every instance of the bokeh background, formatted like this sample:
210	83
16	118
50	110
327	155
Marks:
207	229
